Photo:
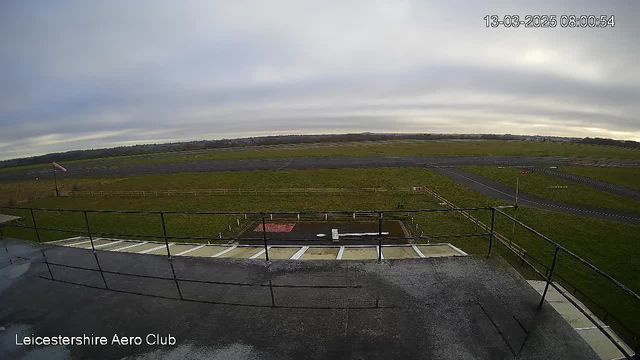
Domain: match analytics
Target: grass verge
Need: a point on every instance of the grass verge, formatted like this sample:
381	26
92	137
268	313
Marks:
620	176
539	185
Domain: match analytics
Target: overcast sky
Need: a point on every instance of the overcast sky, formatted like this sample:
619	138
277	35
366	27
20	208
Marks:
92	74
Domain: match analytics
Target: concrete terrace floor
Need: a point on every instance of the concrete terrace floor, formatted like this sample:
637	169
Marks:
423	308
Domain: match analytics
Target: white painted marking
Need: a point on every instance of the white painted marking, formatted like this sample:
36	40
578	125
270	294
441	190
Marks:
57	241
591	328
129	246
224	251
80	243
259	253
110	243
153	249
415	248
298	254
363	234
458	250
189	250
340	252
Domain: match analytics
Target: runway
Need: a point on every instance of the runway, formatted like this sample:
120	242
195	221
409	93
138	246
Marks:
91	169
496	190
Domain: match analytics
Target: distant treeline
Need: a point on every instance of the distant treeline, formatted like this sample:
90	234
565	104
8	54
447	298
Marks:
282	139
611	142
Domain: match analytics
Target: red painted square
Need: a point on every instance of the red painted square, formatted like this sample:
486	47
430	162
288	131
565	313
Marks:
276	227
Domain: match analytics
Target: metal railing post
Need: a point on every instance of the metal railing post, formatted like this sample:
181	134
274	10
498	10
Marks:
166	243
380	236
264	237
93	248
493	220
35	226
546	287
47	263
164	234
86	221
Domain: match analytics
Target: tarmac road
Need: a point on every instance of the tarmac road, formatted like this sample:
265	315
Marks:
83	169
496	190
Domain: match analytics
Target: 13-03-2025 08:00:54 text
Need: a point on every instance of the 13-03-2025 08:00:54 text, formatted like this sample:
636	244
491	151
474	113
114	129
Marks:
550	21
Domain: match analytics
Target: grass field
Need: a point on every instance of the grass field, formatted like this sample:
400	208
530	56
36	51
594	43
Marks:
538	185
409	148
373	148
629	177
611	246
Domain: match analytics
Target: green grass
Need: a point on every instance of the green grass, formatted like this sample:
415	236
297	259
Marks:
404	148
537	184
629	177
611	246
350	178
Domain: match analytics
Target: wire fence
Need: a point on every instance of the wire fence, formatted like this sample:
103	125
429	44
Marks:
239	191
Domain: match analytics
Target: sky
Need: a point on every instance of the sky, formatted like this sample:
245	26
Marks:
94	74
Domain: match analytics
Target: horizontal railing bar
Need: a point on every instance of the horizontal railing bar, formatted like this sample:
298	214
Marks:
253	213
206	281
226	303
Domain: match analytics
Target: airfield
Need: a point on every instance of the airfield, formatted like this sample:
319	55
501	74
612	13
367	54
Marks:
389	247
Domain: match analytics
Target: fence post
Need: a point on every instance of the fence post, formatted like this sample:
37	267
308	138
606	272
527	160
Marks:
546	287
264	237
379	236
86	221
493	219
164	234
35	226
166	243
95	255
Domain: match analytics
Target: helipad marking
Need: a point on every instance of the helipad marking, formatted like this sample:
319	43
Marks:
300	252
153	249
189	250
223	251
340	252
129	246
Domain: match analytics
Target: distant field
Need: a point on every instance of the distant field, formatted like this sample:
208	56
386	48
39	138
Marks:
371	148
408	148
611	246
629	177
367	148
537	184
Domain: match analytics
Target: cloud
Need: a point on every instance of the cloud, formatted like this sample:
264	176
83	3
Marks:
87	75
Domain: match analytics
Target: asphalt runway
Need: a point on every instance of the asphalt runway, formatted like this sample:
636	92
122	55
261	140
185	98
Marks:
90	169
496	190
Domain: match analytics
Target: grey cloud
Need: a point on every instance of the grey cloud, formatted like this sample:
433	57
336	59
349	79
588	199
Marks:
109	73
